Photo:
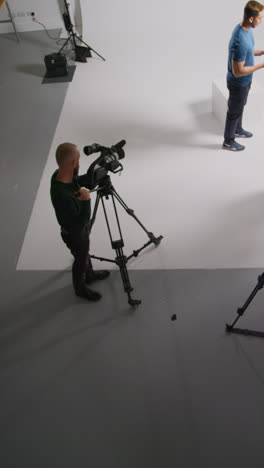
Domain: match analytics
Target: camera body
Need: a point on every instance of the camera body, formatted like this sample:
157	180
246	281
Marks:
107	161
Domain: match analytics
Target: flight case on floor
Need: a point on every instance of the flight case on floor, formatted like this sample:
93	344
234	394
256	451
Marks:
56	65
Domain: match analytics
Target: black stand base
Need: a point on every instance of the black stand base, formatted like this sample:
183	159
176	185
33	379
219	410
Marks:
81	52
244	331
241	311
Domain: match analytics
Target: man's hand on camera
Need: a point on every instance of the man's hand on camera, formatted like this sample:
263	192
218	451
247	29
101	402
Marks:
83	194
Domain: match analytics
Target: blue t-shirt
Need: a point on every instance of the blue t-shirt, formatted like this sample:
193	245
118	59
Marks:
240	49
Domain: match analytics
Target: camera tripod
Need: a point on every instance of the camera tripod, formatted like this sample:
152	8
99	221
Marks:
107	190
80	52
241	310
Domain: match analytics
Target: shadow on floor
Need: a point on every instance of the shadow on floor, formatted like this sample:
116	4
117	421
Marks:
32	69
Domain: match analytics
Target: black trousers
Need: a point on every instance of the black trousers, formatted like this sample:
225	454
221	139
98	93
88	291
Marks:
79	244
236	103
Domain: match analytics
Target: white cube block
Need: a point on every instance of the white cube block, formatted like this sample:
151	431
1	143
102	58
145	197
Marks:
254	109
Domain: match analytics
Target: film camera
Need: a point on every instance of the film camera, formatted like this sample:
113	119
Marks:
107	161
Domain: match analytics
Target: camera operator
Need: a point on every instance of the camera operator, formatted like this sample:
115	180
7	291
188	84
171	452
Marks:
72	205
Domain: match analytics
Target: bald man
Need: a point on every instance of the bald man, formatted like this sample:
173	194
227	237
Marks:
72	205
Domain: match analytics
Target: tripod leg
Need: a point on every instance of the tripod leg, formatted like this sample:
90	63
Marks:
241	310
92	220
118	245
121	261
64	45
153	240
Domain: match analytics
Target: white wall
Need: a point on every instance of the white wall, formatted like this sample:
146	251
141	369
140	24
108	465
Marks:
165	29
104	19
48	12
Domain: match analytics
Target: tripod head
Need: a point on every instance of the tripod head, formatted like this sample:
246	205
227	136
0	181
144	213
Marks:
107	161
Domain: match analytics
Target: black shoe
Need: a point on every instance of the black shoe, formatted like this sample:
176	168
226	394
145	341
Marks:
96	275
243	134
88	293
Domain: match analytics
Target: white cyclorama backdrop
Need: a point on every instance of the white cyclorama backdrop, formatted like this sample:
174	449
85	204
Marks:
154	91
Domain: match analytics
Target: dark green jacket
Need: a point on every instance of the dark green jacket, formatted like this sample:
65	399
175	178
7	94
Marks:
72	214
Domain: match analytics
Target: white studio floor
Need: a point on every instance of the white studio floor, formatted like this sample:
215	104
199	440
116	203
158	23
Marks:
206	202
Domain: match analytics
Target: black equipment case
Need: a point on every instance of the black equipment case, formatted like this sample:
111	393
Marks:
56	65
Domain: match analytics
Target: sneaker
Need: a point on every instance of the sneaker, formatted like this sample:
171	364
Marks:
233	146
96	275
243	134
88	293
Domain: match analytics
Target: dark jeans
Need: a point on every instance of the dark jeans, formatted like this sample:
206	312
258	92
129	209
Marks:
236	103
79	243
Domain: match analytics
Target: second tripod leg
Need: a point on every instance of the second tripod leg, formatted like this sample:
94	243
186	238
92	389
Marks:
121	261
241	310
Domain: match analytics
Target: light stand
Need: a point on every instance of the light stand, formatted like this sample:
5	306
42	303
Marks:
81	53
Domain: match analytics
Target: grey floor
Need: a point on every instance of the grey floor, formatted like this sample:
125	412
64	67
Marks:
101	385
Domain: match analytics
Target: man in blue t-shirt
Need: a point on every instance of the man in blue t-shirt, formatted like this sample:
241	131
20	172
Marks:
240	70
